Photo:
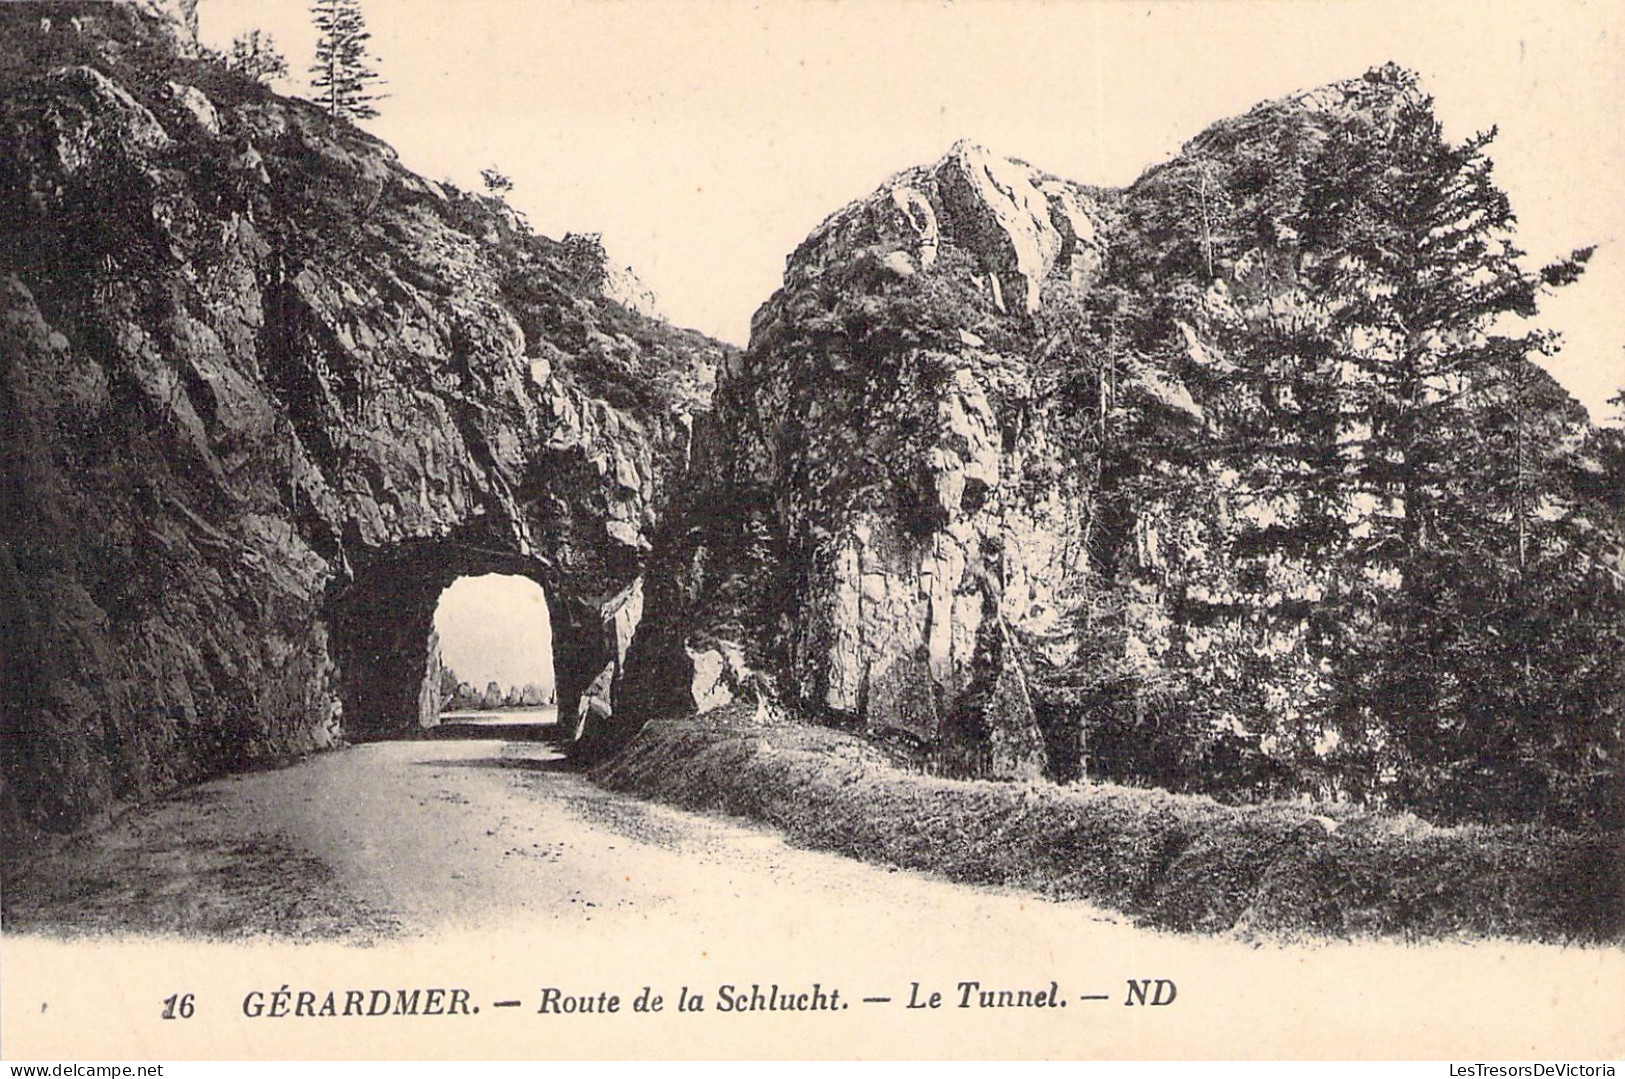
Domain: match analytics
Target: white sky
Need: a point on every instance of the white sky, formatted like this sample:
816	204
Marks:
705	138
495	628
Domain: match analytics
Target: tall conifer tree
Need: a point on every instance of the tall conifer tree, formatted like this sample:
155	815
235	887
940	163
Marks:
1440	446
342	75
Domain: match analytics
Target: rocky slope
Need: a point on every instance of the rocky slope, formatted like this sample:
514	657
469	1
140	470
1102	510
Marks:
264	393
1024	473
892	506
1028	477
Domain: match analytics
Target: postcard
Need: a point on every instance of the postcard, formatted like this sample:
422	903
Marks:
812	530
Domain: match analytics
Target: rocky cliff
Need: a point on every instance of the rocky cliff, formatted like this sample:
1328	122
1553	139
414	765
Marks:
265	392
1196	482
1046	479
892	507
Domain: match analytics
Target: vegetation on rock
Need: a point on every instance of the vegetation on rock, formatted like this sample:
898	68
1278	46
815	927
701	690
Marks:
343	74
255	55
1260	491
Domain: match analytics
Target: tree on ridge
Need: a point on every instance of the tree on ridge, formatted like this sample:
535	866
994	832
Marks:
343	75
255	55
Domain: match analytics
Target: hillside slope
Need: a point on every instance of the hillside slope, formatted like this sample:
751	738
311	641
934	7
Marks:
1232	481
264	393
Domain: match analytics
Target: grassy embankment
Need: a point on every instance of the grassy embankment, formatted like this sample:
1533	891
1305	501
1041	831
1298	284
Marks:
1171	861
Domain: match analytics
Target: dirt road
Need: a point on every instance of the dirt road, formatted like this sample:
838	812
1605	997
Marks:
489	864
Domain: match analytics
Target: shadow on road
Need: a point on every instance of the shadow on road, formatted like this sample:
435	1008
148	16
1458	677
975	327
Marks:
500	732
513	764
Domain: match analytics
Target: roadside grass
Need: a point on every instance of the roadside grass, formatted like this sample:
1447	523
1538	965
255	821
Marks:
1172	861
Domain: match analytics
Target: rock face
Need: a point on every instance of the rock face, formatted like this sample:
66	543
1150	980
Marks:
1023	472
892	511
1038	478
264	394
625	287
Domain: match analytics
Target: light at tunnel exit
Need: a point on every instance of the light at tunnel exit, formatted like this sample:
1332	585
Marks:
495	628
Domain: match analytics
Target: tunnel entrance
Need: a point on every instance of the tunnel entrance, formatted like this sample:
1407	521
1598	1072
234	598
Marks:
573	628
493	646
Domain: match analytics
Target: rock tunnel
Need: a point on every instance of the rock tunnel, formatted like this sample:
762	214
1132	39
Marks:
382	619
264	394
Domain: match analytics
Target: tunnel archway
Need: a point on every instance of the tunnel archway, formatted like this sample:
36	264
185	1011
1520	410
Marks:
382	616
492	644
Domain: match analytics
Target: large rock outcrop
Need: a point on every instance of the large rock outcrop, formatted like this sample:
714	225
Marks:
1050	479
892	513
265	393
1035	477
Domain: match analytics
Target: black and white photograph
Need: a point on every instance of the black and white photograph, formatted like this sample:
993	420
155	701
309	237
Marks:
812	529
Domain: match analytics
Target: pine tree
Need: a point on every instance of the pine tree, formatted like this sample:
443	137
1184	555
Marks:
255	55
496	181
1440	440
585	258
1347	279
343	76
